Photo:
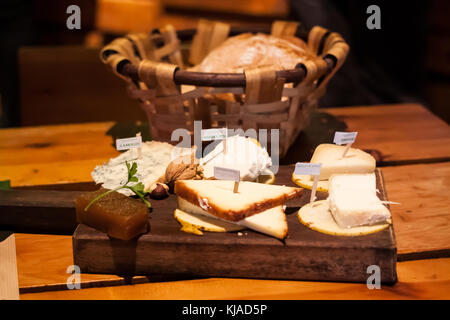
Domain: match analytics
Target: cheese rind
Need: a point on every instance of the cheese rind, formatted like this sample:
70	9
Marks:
317	216
217	197
353	200
330	156
205	223
271	222
304	181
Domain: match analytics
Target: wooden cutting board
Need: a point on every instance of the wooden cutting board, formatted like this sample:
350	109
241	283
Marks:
304	255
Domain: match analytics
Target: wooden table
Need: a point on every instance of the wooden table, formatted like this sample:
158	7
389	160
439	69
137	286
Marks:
412	145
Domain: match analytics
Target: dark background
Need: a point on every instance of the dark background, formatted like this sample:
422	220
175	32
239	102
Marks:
50	74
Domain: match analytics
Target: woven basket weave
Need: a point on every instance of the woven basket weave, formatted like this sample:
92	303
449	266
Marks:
263	98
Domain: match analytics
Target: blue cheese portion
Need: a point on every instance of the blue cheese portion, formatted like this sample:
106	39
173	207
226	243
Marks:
155	158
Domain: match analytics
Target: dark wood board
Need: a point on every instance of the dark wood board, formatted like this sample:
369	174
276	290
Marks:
38	211
304	255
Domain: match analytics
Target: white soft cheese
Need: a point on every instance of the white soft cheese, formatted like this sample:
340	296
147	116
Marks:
155	158
330	156
243	154
353	201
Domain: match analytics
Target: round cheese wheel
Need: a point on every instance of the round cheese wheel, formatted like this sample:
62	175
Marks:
305	181
317	216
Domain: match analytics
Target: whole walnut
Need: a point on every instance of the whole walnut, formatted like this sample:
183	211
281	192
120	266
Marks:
183	168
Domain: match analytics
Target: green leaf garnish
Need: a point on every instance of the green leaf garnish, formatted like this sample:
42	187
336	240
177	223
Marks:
138	188
133	179
132	172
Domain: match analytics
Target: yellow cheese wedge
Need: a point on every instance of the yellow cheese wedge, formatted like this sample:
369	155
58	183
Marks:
195	224
271	222
317	216
304	181
330	156
217	197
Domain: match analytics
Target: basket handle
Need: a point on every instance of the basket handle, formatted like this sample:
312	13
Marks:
135	47
329	46
262	85
158	76
338	49
121	61
167	45
118	53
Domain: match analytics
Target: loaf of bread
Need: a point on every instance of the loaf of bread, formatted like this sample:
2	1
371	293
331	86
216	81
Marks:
255	50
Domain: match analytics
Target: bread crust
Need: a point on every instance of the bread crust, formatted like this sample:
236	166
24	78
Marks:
246	50
183	191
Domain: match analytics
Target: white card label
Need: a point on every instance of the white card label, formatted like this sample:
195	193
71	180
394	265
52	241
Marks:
214	134
341	138
128	143
306	168
222	173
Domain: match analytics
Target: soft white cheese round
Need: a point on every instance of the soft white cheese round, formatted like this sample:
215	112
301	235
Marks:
242	153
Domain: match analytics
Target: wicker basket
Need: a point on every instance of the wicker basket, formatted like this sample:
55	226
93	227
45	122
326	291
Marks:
154	68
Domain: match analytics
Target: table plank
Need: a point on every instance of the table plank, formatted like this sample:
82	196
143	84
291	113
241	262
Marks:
422	220
42	262
54	154
404	133
425	279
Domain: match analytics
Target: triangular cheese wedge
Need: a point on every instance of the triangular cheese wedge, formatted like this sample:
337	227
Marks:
271	221
198	222
217	197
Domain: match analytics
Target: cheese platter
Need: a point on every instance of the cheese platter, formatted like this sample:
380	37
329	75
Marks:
304	254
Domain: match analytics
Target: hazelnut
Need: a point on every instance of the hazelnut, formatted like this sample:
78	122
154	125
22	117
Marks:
158	190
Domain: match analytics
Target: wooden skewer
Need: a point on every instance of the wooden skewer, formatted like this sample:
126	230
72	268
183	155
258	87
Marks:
139	149
347	147
224	146
236	187
314	188
225	141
